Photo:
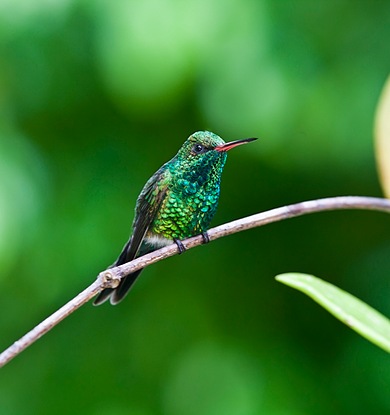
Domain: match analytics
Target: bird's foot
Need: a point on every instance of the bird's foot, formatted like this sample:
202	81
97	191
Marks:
206	238
180	245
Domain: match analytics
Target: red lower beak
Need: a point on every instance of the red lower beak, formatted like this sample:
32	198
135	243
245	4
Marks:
232	144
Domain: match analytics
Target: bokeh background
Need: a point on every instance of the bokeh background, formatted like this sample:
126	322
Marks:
94	96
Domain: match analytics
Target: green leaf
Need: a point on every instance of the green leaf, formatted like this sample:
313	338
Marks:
350	310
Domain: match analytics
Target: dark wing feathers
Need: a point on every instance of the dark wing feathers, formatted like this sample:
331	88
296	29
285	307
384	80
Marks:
148	204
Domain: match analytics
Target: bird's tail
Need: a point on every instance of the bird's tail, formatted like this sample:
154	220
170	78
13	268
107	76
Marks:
117	294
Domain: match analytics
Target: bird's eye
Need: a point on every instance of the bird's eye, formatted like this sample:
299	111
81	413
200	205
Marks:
198	149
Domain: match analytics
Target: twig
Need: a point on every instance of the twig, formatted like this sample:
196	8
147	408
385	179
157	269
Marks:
110	278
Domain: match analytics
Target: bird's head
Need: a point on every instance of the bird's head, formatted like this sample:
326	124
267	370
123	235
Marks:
207	145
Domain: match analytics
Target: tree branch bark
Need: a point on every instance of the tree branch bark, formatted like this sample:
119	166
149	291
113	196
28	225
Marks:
110	278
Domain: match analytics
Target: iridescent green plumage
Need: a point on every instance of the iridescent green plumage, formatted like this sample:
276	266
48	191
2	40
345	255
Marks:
191	183
177	202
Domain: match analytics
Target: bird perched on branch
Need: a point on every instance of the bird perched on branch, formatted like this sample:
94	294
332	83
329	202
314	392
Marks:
177	202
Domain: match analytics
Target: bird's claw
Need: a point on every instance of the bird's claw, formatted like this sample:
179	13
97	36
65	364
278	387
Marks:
180	245
206	238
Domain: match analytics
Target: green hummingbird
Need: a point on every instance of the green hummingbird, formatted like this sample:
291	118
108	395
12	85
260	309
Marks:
177	202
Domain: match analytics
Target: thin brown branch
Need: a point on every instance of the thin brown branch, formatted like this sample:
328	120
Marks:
111	277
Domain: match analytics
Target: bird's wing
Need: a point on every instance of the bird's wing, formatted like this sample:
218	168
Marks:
148	204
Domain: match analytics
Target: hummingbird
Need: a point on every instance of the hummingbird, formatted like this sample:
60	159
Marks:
177	202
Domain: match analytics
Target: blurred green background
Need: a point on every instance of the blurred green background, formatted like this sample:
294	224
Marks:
94	96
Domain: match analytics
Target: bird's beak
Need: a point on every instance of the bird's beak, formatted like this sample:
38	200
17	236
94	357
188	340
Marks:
232	144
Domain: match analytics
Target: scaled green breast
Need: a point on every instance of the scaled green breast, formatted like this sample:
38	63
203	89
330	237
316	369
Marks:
186	211
192	196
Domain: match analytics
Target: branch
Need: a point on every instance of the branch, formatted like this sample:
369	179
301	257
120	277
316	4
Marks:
111	278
